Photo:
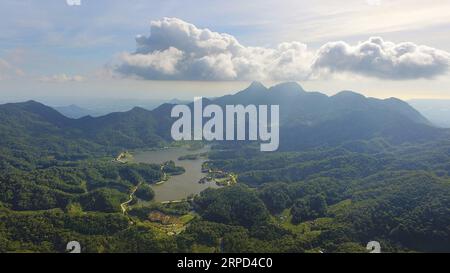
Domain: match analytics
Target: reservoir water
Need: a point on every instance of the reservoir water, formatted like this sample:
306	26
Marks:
179	186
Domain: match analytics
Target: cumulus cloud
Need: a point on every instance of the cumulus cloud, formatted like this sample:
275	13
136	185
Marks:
382	59
177	50
62	78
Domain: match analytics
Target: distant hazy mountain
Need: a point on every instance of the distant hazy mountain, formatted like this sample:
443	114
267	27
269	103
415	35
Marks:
74	111
98	108
177	101
437	111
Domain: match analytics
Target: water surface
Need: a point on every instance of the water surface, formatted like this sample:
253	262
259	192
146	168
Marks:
178	186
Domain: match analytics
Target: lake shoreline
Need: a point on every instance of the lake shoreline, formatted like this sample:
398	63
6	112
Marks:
177	187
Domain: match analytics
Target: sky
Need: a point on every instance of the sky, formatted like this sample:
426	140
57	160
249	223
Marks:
180	49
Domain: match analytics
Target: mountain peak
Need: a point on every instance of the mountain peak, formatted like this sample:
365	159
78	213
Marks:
348	94
137	109
254	88
256	85
29	103
45	112
32	105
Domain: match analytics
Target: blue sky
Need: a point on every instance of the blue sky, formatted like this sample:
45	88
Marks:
48	48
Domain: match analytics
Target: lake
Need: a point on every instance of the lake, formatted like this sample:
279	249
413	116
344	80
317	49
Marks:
178	186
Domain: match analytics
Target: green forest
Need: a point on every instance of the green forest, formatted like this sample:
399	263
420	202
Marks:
59	182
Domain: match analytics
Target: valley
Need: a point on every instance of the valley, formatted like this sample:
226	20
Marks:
239	129
349	170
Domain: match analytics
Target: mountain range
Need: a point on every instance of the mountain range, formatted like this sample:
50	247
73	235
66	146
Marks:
75	112
358	169
307	120
310	119
101	107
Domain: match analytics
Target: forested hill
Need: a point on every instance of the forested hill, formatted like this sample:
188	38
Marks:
350	170
309	108
34	127
313	119
308	119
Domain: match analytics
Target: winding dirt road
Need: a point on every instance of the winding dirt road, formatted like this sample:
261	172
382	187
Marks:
123	206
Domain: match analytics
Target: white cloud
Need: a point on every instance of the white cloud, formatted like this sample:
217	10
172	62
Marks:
177	50
62	78
386	60
158	64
